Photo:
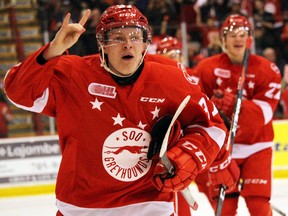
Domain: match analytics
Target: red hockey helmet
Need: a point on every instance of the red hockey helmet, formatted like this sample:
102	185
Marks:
168	44
233	22
120	16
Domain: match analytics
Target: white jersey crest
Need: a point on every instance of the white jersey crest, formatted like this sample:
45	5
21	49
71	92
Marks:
125	154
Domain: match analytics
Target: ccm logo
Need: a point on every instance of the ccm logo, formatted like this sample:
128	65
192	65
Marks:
152	100
255	181
199	154
221	166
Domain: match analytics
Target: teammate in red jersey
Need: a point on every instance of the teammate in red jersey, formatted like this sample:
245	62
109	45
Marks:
169	52
252	148
171	48
106	107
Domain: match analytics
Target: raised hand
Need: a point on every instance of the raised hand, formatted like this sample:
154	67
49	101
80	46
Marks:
67	36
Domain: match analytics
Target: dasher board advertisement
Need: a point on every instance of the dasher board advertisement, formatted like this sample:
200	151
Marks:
28	161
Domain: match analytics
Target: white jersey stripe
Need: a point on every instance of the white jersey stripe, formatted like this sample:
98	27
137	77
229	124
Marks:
244	151
159	208
39	103
266	109
215	133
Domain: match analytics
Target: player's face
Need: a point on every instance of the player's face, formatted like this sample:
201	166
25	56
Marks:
124	48
235	44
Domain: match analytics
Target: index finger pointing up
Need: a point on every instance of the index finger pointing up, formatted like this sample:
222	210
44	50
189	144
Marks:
85	17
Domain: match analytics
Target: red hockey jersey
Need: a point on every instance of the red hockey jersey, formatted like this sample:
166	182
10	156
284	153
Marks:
260	97
104	128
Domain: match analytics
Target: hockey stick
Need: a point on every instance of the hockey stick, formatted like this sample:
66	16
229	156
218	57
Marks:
234	120
280	212
165	160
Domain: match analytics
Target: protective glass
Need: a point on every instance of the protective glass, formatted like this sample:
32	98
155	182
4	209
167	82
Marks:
240	31
236	29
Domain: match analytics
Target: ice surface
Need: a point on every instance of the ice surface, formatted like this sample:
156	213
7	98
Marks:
44	205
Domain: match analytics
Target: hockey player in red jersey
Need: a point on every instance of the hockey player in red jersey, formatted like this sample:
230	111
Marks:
252	147
106	107
169	52
171	48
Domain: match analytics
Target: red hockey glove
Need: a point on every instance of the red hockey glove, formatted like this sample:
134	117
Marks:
187	160
224	102
158	132
223	172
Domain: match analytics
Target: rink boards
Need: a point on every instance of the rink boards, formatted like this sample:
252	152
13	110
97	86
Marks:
280	151
29	165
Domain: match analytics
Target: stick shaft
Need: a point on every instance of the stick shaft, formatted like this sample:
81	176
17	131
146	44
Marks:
177	113
280	212
234	123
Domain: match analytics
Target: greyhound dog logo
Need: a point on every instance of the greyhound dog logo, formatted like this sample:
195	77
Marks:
125	154
131	149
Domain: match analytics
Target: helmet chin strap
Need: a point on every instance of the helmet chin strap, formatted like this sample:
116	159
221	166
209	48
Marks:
223	44
106	67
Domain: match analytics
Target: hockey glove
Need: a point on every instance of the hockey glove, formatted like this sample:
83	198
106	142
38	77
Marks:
186	159
157	135
223	172
224	102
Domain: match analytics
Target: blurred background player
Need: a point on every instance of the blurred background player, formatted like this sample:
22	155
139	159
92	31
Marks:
169	52
252	148
171	48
